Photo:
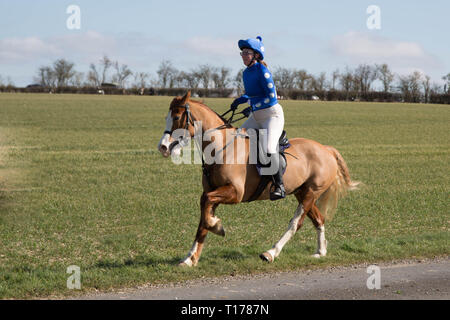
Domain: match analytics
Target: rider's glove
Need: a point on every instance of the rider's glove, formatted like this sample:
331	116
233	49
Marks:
235	104
246	112
242	99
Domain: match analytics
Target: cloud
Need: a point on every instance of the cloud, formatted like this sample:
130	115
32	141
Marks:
368	48
212	46
16	50
89	44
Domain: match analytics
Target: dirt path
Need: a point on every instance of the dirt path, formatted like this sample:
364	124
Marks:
418	279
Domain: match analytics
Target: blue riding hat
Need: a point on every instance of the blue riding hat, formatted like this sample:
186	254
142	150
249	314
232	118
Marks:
254	44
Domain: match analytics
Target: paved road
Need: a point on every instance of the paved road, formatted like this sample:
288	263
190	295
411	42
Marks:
428	279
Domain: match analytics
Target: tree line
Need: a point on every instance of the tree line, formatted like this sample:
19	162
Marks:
349	84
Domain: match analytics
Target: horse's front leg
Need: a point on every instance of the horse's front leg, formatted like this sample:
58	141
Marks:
208	221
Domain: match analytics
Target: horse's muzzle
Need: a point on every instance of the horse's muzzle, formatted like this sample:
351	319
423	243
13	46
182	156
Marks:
164	151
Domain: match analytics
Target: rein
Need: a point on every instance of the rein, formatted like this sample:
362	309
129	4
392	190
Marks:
230	120
190	119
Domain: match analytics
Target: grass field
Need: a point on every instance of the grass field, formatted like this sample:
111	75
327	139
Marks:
81	183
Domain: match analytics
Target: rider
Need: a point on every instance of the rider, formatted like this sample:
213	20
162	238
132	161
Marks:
265	111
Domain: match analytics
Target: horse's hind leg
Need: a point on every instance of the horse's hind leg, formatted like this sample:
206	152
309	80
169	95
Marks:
305	198
319	222
270	255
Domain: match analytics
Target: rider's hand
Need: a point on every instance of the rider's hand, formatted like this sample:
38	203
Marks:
235	104
246	112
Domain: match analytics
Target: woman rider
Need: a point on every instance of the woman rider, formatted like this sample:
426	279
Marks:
265	111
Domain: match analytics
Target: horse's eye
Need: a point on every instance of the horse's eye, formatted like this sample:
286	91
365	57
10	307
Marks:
176	118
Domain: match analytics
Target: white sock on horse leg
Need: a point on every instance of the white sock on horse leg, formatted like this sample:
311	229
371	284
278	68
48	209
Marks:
188	259
275	251
321	242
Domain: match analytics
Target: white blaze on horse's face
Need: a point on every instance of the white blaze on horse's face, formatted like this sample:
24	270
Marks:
166	139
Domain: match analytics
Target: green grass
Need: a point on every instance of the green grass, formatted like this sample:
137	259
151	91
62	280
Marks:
81	183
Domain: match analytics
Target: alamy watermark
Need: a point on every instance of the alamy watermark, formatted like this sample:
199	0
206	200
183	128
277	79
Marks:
374	280
74	281
73	22
374	20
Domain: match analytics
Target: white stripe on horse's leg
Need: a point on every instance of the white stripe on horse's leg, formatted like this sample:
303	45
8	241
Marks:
275	251
321	242
188	260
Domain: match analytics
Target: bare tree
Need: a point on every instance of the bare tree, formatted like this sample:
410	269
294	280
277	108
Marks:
334	78
404	88
193	80
105	63
77	80
409	86
63	72
320	82
283	78
45	77
204	73
300	79
181	80
122	74
447	85
173	79
188	80
363	77
167	74
346	80
238	82
140	79
221	78
93	76
435	89
59	75
385	76
414	80
426	88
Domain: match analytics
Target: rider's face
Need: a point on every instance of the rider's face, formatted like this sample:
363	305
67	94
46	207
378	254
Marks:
247	56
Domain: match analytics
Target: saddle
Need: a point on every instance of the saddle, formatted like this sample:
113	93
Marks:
283	144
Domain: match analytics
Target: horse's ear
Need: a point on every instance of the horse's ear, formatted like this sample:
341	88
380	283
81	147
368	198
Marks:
186	97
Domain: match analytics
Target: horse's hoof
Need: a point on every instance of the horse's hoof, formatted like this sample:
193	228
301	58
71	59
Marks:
316	255
266	257
218	229
187	263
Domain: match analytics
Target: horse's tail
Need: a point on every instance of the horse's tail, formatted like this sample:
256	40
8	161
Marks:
327	202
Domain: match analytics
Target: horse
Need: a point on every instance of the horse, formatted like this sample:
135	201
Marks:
316	175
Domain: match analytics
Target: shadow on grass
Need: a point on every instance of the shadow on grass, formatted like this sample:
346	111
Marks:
226	254
139	261
152	261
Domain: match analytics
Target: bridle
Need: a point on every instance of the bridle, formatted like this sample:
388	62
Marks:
189	118
183	141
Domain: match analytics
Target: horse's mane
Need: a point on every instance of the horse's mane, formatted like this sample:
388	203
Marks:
208	108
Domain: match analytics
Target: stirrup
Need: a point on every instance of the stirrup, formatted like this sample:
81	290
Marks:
277	193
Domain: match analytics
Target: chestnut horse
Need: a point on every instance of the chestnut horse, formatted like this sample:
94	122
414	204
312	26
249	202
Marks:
316	175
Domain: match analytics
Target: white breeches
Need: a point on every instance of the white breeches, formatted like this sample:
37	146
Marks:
271	119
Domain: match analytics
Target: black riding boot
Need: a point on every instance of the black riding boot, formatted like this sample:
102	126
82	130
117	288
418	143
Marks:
277	189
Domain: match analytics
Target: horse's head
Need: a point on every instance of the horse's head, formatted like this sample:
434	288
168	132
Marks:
179	117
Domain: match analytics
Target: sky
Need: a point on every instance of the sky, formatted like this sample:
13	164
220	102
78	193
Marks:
319	36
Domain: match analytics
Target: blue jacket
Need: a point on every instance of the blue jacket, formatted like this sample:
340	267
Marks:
260	90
